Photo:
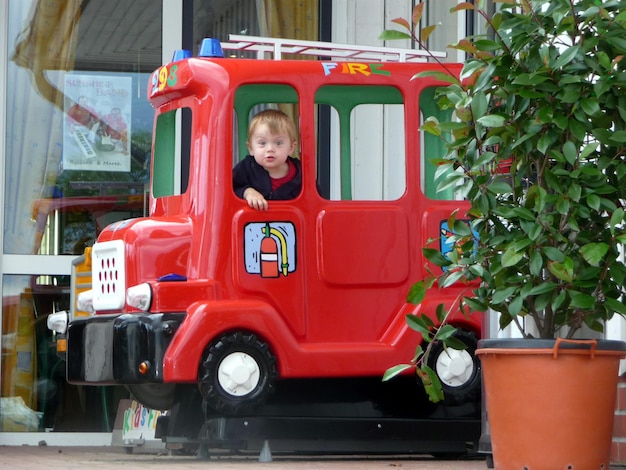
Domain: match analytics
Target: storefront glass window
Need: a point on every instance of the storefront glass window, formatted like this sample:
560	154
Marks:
78	140
78	148
79	133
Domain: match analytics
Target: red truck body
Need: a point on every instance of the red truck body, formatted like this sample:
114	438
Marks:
314	287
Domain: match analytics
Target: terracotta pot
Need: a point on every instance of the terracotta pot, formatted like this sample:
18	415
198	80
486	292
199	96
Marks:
550	403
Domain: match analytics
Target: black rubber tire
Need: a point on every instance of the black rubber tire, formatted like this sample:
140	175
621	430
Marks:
470	390
153	396
257	354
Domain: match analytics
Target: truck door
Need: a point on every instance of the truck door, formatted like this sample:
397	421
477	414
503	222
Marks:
362	229
267	243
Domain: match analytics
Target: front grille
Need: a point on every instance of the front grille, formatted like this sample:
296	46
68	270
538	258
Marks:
108	275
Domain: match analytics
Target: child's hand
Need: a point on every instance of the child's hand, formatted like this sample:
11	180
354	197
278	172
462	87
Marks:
255	199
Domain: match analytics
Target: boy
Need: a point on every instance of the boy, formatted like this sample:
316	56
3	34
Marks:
269	172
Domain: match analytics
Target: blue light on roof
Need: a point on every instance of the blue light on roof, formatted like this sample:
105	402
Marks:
172	277
180	54
211	47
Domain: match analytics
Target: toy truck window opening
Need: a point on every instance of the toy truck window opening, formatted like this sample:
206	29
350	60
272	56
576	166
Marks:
170	162
347	168
360	169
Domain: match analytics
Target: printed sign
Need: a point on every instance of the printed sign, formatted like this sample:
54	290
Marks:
97	130
139	423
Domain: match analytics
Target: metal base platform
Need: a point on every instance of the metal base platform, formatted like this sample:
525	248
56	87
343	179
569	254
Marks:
347	416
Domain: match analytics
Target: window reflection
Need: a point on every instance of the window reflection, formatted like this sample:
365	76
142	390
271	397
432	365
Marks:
71	173
78	144
79	136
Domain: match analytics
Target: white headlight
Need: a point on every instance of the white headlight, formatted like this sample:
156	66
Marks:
84	301
139	296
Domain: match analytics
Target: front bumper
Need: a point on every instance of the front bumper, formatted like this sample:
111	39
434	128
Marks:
112	349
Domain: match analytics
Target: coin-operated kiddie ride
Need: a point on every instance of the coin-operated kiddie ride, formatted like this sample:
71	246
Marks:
254	327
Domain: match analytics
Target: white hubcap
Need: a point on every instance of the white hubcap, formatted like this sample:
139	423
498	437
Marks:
454	367
238	374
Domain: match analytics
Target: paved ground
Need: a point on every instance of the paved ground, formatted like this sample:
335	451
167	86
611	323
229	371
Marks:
73	458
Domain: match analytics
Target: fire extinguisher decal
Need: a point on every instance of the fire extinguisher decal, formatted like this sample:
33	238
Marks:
270	248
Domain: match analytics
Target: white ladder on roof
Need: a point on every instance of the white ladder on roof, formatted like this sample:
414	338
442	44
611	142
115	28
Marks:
279	46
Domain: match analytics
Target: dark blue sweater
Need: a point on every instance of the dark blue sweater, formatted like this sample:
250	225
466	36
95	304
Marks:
249	174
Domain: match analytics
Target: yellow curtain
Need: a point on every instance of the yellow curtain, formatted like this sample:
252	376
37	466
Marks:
293	20
44	49
49	43
290	20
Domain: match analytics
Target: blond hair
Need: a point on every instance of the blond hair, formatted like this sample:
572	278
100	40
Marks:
276	121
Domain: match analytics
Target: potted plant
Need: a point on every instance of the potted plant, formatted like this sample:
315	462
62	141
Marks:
537	146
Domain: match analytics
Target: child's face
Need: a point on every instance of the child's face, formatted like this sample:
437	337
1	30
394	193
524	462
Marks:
270	150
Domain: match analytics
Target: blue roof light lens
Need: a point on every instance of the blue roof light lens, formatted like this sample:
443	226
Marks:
211	47
181	54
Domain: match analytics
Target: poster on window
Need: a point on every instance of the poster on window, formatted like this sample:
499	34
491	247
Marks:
97	123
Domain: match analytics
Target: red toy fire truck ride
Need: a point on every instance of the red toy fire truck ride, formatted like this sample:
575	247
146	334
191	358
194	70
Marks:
209	293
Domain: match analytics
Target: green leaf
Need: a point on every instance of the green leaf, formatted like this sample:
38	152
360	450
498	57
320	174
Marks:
431	383
594	252
419	352
558	301
566	57
554	254
455	343
436	257
441	313
593	200
474	304
581	300
487	45
461	228
542	288
570	152
563	206
529	79
616	219
492	120
536	263
392	34
615	306
445	332
502	295
439	75
563	271
515	307
431	125
590	106
417	291
479	105
619	136
544	142
500	187
417	323
451	278
511	257
395	371
470	67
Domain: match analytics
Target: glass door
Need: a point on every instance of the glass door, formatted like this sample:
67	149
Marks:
76	141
